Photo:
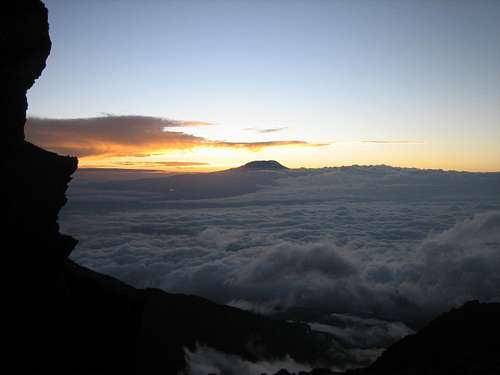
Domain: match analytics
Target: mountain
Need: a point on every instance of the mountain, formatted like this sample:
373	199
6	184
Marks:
228	183
465	341
262	165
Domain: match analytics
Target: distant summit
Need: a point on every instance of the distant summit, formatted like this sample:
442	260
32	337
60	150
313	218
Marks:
263	165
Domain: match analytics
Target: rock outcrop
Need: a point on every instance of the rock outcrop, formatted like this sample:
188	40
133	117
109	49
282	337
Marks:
33	187
463	341
34	180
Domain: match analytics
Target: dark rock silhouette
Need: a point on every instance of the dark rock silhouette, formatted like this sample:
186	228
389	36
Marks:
464	340
34	182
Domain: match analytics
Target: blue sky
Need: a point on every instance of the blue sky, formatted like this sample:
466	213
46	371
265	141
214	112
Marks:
340	72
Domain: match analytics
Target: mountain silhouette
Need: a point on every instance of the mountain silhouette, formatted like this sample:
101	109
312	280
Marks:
262	165
228	183
464	340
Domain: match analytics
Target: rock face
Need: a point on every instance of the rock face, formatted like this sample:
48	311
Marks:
34	180
462	341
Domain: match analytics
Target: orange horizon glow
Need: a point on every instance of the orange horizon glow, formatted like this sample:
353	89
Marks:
144	142
207	167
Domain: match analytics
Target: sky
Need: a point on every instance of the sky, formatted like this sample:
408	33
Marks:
199	85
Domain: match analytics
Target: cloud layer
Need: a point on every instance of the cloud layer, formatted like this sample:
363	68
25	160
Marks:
128	136
205	360
348	250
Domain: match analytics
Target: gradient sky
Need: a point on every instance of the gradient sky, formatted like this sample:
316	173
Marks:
405	83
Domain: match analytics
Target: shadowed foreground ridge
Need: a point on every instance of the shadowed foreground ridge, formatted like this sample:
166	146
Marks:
464	340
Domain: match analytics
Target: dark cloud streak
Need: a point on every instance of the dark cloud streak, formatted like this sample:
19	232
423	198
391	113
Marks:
266	130
395	142
128	136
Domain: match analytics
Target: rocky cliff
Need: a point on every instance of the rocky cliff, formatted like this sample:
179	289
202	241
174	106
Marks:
34	181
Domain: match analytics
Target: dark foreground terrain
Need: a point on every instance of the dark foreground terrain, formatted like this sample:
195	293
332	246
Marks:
64	318
461	341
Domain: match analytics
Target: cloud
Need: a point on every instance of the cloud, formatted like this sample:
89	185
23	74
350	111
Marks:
256	146
364	333
153	164
205	360
457	265
180	123
397	142
266	130
127	136
262	308
108	135
288	262
354	249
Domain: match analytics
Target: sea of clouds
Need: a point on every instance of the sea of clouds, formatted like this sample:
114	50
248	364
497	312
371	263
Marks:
366	254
